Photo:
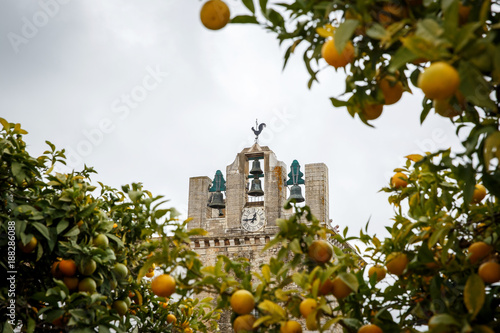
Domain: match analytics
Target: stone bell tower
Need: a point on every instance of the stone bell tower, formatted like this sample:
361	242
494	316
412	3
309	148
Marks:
227	225
255	192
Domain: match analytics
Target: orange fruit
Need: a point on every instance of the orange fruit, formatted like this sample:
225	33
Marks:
439	81
150	274
479	193
291	326
87	285
242	302
396	263
340	288
101	241
55	270
61	321
121	307
399	180
463	13
115	225
326	287
307	306
87	267
320	251
489	272
214	14
171	318
120	270
392	89
163	285
188	330
244	323
478	251
372	111
333	57
28	248
71	282
379	270
67	267
370	328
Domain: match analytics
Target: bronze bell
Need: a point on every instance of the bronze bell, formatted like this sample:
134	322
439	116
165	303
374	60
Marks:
217	201
296	193
256	170
256	189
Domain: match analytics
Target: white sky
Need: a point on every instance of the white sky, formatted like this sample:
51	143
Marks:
70	75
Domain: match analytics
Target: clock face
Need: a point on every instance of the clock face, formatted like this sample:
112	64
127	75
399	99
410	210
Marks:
253	218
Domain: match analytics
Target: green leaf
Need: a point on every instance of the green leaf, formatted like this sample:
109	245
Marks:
351	280
273	309
331	322
263	6
276	18
344	33
161	212
244	19
103	329
6	126
466	35
7	328
443	319
294	246
474	87
352	323
42	229
61	226
72	232
266	272
437	235
261	320
400	58
339	103
17	171
31	325
88	210
450	16
474	294
377	31
427	106
118	241
249	4
134	195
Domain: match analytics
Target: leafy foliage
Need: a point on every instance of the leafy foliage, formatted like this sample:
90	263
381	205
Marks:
66	214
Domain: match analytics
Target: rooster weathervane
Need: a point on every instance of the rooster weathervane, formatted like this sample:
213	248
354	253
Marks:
259	130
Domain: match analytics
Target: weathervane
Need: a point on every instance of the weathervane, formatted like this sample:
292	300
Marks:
257	132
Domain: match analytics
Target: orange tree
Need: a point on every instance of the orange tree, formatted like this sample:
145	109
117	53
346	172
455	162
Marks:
75	254
443	251
450	49
440	261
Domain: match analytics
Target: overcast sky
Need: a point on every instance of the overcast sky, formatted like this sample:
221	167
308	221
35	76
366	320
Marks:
141	91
